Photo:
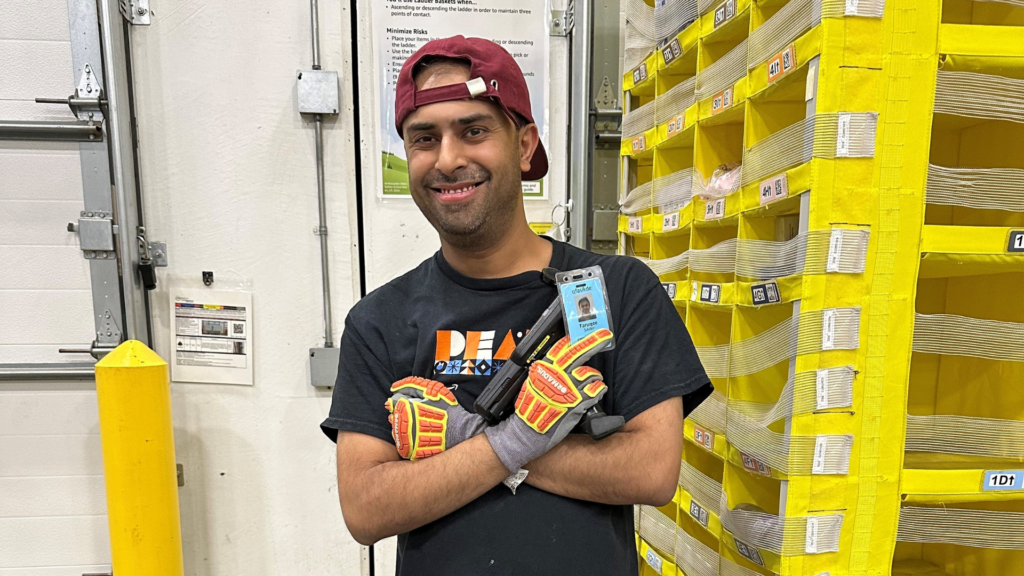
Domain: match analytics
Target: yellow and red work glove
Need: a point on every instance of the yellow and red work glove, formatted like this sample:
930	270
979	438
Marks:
554	397
426	419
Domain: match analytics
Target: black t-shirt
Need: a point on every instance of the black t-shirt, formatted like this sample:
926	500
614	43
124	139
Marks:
437	323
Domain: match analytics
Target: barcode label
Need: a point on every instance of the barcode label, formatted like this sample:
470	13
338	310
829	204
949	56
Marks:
843	136
835	249
811	541
670	289
822	385
828	329
820	449
694	291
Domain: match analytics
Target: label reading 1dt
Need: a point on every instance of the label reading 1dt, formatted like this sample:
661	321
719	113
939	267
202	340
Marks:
1016	243
1003	480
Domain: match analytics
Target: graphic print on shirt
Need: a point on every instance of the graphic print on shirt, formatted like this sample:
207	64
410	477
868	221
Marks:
472	353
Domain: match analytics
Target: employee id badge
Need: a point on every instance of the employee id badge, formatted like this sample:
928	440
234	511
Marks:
584	302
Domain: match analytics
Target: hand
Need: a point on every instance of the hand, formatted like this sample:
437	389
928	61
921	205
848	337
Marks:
554	397
426	419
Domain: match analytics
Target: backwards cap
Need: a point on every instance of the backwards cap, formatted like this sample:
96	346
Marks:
493	73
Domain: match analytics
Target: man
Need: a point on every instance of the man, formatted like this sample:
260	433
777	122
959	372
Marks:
583	305
413	459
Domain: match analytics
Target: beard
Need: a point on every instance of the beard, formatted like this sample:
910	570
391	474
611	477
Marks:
482	219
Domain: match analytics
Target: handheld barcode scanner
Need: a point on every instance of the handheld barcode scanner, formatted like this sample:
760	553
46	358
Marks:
497	400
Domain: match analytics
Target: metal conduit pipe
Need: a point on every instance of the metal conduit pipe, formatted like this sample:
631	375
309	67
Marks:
46	371
320	184
66	131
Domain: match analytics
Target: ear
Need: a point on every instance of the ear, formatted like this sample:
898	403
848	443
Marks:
529	138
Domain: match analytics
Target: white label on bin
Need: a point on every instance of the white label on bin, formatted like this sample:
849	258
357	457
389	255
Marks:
828	329
653	560
822	385
820	448
636	224
670	222
851	7
843	136
812	77
811	543
835	249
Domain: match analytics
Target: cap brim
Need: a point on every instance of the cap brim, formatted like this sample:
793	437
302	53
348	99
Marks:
538	164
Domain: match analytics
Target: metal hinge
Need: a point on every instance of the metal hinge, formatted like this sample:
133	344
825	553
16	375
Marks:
562	21
95	234
136	12
558	23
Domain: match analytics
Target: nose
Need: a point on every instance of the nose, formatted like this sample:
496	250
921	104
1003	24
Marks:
451	155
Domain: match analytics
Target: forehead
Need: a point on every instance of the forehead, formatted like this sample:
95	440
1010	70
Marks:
442	114
445	113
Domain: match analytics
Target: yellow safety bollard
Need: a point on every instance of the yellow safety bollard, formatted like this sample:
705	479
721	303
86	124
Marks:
134	395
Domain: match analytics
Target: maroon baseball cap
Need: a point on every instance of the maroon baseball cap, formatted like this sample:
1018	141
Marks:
493	74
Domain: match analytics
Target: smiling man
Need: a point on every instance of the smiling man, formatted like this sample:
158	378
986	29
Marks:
412	458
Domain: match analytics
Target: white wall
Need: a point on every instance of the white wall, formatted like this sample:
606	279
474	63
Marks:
52	504
229	182
397	236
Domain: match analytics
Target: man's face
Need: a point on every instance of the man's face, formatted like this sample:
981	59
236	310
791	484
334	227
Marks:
465	162
584	307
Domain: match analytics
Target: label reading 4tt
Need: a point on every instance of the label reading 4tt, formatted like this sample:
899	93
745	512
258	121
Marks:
699	513
724	12
782	62
1016	242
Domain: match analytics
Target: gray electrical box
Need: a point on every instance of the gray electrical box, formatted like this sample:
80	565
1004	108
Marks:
323	366
318	91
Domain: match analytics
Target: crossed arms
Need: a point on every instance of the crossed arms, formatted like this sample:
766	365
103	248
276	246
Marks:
637	465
